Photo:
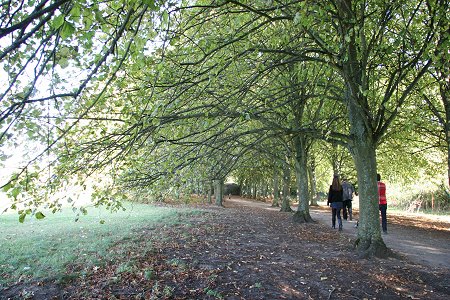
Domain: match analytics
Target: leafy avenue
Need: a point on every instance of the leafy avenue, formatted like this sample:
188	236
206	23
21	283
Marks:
179	95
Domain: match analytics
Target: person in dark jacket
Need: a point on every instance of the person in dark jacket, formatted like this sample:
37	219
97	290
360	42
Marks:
348	191
335	198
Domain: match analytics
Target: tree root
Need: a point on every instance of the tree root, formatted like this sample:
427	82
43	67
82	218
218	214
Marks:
286	209
368	248
302	217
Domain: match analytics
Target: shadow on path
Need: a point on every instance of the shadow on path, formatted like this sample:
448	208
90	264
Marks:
422	246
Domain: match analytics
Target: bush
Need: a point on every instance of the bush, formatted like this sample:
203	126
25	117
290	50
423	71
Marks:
432	200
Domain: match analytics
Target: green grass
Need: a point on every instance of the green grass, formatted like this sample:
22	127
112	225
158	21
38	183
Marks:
39	249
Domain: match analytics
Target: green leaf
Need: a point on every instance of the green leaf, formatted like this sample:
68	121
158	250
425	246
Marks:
150	3
102	221
39	215
22	217
64	51
67	30
99	17
165	17
76	10
87	21
63	63
15	192
7	187
58	22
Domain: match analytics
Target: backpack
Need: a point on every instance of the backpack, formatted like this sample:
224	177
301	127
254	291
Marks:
347	191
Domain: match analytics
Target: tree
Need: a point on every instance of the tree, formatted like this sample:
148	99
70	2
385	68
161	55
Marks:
368	64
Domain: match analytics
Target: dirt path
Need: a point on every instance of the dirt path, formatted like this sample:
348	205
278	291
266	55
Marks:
420	240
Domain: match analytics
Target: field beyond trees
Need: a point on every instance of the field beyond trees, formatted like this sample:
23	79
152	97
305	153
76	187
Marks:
245	250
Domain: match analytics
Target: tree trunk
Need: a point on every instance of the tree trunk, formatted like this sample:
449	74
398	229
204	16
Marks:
218	191
285	204
244	188
276	191
264	189
444	90
241	186
335	160
210	190
443	67
445	100
369	241
302	214
313	184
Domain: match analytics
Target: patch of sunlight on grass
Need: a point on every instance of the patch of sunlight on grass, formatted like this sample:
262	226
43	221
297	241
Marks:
44	248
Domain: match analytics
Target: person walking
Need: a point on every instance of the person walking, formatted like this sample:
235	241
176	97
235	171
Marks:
348	191
335	196
382	203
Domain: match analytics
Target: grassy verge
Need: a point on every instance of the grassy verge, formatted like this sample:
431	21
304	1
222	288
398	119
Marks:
47	248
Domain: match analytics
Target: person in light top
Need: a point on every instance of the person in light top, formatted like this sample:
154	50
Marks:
348	191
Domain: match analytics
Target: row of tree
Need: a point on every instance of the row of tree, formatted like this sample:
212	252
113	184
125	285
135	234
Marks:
161	94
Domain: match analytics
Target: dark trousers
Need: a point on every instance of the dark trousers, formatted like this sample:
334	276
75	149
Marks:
347	206
383	209
336	212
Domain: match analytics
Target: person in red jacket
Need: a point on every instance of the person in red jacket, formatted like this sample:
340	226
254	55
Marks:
382	203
